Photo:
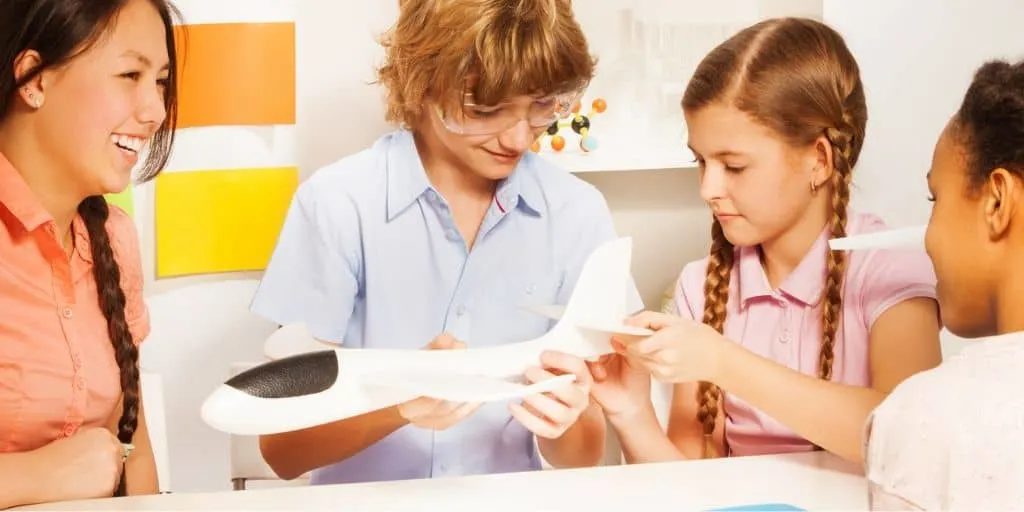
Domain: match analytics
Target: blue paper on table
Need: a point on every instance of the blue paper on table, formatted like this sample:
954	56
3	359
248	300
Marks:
763	507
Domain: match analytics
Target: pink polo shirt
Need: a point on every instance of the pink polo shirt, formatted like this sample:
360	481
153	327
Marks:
785	324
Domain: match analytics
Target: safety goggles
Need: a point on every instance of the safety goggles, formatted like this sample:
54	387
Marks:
473	119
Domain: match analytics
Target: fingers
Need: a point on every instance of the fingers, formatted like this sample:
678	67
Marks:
445	341
534	422
652	320
598	370
576	396
430	413
647	347
418	408
461	410
550	414
424	407
562	363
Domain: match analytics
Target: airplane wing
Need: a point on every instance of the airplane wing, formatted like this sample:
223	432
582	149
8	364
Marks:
461	387
907	238
549	311
555	312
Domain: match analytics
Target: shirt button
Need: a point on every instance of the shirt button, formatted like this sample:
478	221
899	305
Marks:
66	313
76	361
69	430
461	310
80	383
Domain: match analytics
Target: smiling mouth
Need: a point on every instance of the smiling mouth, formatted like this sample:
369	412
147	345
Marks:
128	143
506	156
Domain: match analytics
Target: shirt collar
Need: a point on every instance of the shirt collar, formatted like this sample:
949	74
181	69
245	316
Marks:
407	179
804	284
19	199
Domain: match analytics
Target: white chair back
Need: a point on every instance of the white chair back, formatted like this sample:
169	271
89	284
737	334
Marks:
156	425
197	332
247	463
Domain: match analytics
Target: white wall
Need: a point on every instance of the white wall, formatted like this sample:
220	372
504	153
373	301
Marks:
917	58
905	49
336	55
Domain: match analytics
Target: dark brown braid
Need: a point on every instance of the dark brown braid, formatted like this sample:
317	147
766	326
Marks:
716	298
94	212
831	310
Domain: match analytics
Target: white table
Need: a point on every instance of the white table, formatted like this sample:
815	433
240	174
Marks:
812	481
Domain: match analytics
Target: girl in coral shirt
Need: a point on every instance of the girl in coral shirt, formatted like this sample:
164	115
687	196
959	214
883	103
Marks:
85	86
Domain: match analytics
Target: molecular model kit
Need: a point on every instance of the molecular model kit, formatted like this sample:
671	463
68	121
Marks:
580	125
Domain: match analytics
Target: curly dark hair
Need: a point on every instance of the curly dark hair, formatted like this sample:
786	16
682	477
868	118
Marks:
990	122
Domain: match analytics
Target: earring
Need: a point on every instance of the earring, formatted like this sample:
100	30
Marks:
814	188
36	100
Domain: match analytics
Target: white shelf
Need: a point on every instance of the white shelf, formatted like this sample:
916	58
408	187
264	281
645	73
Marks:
614	160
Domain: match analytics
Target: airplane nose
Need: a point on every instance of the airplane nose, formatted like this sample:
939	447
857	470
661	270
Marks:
293	376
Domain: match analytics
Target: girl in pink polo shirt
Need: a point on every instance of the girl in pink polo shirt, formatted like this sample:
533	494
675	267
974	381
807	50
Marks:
85	87
952	438
779	345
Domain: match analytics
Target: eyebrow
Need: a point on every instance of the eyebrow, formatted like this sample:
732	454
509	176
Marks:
718	154
143	59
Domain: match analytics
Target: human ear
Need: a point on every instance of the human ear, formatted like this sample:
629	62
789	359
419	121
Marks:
821	162
1000	195
30	92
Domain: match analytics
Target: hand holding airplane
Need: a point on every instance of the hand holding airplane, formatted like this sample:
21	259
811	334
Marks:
316	388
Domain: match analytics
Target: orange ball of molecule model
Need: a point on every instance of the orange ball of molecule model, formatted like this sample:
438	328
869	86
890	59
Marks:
535	147
557	143
576	108
599	105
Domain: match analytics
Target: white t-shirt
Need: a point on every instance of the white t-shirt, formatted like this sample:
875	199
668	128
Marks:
952	438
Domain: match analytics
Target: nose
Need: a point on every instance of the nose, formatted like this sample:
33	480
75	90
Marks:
518	137
151	110
712	183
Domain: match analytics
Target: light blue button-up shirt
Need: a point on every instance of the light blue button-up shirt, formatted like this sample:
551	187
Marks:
369	255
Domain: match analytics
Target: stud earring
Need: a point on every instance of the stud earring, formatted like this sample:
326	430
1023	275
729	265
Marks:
36	100
814	188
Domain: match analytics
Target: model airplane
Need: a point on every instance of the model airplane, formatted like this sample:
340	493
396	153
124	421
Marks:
907	238
316	388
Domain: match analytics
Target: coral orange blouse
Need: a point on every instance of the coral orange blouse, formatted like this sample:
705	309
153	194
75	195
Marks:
57	367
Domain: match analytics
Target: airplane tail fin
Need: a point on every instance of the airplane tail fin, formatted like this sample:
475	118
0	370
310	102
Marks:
598	306
600	293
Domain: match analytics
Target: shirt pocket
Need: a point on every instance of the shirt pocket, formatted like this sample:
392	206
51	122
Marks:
535	301
512	308
12	402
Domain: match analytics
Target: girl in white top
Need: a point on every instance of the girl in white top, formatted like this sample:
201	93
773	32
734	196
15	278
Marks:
953	438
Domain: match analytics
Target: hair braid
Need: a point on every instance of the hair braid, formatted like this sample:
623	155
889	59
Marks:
716	297
94	212
831	310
